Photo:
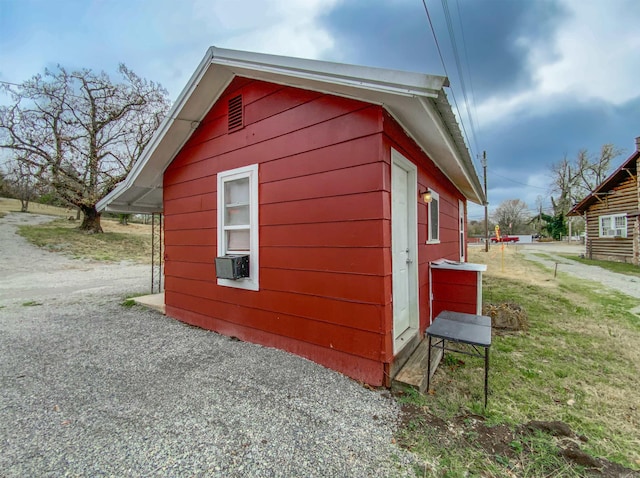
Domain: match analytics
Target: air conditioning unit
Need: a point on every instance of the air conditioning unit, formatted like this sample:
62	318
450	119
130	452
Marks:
232	267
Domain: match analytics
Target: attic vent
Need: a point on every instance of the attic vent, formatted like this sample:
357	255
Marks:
235	113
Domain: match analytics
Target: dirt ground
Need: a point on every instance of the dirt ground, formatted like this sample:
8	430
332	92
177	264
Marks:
497	441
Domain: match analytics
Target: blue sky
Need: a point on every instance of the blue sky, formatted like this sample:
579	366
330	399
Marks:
543	78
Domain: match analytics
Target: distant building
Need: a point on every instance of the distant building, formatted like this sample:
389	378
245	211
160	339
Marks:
612	213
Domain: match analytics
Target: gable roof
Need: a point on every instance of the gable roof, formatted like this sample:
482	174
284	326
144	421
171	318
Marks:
620	174
418	102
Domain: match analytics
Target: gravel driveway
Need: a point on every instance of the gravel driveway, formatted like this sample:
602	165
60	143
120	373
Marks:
91	388
626	284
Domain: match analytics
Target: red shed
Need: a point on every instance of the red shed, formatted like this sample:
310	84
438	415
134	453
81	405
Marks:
304	202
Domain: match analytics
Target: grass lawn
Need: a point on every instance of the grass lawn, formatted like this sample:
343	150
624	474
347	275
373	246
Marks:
118	243
13	205
578	363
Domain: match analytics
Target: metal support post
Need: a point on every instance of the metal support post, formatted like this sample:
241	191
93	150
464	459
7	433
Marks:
156	253
486	203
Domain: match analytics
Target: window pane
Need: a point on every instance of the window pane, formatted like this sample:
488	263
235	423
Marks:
434	219
236	215
238	240
621	221
236	192
608	225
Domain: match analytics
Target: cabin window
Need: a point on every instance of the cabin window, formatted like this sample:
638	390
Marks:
238	221
433	217
613	225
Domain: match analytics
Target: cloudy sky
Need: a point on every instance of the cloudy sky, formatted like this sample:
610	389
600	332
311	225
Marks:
542	78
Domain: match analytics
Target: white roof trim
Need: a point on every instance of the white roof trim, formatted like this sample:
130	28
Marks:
406	96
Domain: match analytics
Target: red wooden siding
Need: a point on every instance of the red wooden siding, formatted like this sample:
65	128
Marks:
324	266
369	371
429	176
455	290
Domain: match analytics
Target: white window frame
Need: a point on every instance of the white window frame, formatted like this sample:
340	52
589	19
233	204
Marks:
435	197
251	172
608	228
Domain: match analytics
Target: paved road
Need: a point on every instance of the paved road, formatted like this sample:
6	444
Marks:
91	388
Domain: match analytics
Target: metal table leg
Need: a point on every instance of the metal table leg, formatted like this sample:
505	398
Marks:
429	365
486	374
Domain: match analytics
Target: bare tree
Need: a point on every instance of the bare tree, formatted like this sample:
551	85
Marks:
564	181
81	132
512	216
575	179
22	182
5	186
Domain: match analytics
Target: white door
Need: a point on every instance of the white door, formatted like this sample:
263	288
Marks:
461	222
404	249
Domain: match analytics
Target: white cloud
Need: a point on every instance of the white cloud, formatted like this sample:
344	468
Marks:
162	40
595	57
269	26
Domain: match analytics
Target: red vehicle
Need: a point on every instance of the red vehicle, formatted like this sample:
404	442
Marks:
505	238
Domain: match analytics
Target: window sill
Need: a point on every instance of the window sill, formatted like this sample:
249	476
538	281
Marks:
246	284
436	241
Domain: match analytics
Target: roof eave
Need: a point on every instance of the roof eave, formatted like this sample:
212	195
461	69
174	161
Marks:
604	186
176	115
405	95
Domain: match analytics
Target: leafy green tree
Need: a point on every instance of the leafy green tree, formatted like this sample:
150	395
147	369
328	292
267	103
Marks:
555	226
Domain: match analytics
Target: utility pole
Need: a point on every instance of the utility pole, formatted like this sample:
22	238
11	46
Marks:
486	203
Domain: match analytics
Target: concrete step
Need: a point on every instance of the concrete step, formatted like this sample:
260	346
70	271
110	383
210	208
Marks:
153	301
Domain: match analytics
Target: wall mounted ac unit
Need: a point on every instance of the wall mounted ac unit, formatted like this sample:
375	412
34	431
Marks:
232	267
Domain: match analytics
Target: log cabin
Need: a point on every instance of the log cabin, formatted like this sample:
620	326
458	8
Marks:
612	214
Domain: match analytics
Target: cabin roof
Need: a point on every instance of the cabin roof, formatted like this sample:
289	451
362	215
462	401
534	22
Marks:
627	167
417	101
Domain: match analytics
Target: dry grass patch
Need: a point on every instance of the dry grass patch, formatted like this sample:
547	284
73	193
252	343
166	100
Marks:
13	205
118	243
507	262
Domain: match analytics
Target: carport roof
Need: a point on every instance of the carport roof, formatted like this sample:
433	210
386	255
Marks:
417	101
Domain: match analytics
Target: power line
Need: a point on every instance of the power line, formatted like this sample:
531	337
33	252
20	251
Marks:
466	56
435	38
444	66
456	56
517	182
